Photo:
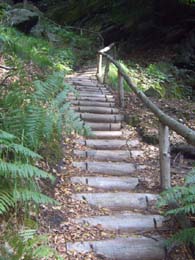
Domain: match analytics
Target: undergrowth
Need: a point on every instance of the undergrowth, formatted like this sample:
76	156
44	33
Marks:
163	77
34	116
179	202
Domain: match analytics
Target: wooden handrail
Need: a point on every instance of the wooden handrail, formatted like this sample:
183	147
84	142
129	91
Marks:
165	120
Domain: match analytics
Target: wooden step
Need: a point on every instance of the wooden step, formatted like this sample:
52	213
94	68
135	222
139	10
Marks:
97	110
111	168
106	134
87	98
129	248
108	183
109	144
107	155
96	92
90	94
104	126
91	103
92	117
118	200
125	222
94	89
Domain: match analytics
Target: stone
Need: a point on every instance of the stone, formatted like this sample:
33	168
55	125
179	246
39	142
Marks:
22	19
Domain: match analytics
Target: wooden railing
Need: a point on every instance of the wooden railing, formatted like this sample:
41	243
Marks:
165	121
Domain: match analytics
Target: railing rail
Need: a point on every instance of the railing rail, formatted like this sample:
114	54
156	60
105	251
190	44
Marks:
79	29
165	120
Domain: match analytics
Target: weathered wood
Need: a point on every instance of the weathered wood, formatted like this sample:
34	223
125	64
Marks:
118	201
92	117
109	144
173	124
91	103
104	126
188	151
99	68
89	94
125	222
111	168
106	71
164	147
97	92
121	89
107	155
130	248
106	134
101	99
93	90
94	109
108	183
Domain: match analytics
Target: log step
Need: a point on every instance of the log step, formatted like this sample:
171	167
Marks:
118	200
108	144
108	183
89	94
94	89
85	83
92	94
106	134
125	222
90	103
94	109
113	168
115	156
104	126
87	98
92	117
130	248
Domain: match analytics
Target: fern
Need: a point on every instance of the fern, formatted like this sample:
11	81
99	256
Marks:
184	198
19	178
27	245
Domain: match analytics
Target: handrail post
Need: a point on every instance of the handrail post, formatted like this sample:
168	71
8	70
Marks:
164	147
106	71
99	67
121	89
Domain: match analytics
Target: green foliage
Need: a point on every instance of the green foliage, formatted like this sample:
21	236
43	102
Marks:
26	245
184	200
42	115
113	76
19	178
163	77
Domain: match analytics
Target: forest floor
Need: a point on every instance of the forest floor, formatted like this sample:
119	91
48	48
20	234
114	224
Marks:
58	221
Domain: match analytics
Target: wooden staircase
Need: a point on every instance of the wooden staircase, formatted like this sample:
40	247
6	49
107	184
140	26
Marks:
108	164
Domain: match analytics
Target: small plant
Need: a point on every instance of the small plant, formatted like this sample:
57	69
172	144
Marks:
26	244
19	177
184	200
41	115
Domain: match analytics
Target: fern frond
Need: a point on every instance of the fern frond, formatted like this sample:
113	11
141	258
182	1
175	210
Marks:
21	150
6	136
15	170
37	197
6	201
185	236
190	178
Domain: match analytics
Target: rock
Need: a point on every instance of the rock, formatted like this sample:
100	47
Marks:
22	19
151	92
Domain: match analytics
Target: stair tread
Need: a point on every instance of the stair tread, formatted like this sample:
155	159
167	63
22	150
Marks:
124	222
116	155
118	200
113	168
108	183
130	248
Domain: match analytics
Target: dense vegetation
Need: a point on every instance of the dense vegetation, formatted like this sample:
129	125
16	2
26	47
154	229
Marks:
34	114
